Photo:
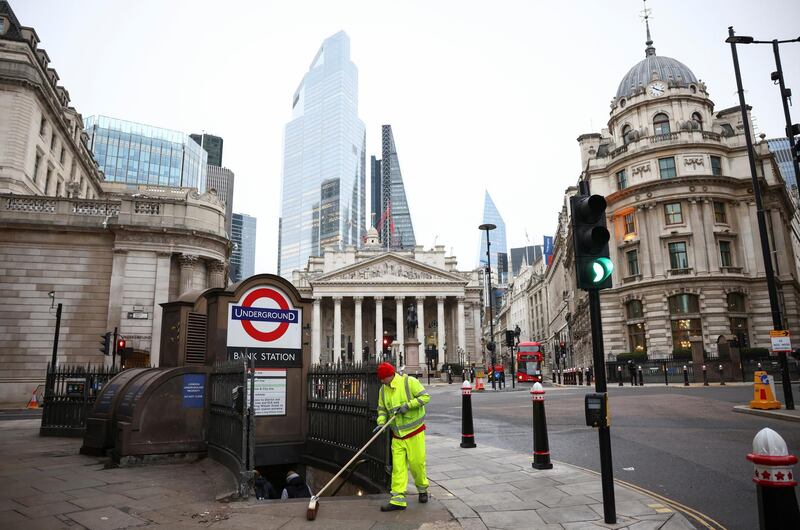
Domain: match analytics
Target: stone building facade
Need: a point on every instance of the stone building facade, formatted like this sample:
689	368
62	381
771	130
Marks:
361	296
110	253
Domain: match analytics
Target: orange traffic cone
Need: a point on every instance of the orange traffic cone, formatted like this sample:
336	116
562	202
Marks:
33	403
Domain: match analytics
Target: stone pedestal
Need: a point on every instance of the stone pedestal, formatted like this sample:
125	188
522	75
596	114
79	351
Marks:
412	357
697	358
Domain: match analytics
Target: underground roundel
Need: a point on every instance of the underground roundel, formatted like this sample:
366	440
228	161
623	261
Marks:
264	325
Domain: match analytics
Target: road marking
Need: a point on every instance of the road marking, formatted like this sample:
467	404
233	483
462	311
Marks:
700	517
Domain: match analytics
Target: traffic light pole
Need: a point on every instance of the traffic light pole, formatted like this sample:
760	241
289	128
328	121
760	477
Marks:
598	355
114	350
55	337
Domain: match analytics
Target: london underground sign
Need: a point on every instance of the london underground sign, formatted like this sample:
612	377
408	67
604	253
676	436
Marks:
265	326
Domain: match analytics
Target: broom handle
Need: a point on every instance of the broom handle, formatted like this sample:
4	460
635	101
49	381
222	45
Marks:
378	433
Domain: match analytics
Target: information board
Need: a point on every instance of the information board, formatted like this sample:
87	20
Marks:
270	392
781	340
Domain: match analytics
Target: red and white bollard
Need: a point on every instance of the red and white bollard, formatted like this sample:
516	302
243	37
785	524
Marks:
774	478
541	447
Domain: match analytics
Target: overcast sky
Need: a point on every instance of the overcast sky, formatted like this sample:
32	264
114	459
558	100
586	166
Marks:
480	95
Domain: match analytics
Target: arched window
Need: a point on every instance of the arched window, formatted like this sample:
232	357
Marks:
625	131
684	310
696	118
660	124
636	331
736	303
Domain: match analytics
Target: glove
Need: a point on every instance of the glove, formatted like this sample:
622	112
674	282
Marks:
403	408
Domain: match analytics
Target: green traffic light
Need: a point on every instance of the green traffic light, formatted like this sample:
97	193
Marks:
601	269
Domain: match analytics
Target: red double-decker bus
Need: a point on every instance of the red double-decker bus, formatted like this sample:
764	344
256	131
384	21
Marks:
529	362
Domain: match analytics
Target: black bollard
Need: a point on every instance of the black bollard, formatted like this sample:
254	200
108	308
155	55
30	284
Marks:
685	376
705	376
641	376
721	376
467	430
580	376
429	377
777	501
541	447
554	376
666	375
588	378
559	377
619	374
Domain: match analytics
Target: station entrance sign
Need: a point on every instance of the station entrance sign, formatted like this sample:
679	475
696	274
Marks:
264	325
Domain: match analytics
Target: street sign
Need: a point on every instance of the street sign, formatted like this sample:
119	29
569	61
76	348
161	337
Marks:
781	340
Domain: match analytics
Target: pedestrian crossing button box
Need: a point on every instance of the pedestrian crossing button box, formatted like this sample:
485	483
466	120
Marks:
597	410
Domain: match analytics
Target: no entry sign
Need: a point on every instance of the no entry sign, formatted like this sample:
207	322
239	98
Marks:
265	326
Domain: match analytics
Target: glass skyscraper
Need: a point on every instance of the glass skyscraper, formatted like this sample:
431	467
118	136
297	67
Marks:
243	238
783	156
323	197
389	204
213	146
141	154
499	249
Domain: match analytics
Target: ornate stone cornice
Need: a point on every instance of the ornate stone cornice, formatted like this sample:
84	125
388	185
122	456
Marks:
188	260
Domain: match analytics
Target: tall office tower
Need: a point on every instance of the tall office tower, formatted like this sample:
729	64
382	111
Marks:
390	213
243	238
497	237
523	256
212	145
783	156
323	197
221	179
140	154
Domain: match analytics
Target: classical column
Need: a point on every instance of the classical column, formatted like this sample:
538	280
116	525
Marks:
462	326
701	261
337	329
358	341
398	302
421	329
116	290
216	273
187	263
378	326
476	326
161	295
645	259
316	329
441	336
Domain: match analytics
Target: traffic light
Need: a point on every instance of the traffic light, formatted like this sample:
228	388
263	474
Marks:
491	346
590	237
105	343
510	338
120	345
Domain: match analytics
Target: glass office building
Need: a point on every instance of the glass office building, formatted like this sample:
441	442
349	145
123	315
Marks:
391	216
323	197
783	156
499	249
141	154
243	239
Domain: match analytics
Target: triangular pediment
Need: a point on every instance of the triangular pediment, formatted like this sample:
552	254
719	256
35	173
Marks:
389	268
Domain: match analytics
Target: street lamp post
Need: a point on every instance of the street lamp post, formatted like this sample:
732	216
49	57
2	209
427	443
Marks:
777	320
491	345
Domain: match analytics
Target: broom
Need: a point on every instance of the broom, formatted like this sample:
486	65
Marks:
313	505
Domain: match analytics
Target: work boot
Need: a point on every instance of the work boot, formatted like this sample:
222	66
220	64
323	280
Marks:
391	507
423	497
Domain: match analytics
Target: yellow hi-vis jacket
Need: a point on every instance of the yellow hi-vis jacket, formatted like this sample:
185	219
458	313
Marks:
403	389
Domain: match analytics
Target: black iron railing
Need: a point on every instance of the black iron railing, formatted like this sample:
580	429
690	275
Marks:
342	403
69	394
227	434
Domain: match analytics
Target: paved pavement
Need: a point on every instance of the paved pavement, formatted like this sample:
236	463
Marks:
46	484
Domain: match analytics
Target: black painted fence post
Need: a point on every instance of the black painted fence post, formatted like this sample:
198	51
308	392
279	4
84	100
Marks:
685	376
777	502
705	376
541	447
619	374
721	376
467	430
641	376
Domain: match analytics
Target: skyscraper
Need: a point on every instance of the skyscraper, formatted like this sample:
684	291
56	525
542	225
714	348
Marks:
141	154
221	179
243	238
523	256
499	249
212	145
391	216
323	198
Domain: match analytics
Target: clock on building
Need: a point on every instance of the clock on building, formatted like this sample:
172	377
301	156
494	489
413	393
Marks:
656	89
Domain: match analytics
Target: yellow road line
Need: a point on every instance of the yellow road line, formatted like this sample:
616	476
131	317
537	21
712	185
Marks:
700	517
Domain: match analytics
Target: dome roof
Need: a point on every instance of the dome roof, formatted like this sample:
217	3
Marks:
667	69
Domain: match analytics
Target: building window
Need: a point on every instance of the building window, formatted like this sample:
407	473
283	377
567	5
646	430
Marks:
727	129
660	124
61	155
622	180
634	309
626	130
719	213
53	142
725	254
636	337
36	163
42	126
685	312
630	224
716	166
678	258
736	303
47	179
696	118
633	262
673	213
666	167
738	322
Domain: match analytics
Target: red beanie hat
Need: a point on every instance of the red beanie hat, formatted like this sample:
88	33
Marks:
385	370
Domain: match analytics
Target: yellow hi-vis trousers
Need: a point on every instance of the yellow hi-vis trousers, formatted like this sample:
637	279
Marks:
408	453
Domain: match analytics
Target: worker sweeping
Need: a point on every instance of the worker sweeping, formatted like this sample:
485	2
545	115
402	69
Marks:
405	397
